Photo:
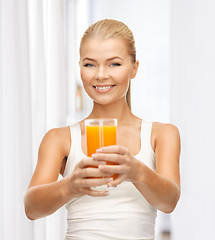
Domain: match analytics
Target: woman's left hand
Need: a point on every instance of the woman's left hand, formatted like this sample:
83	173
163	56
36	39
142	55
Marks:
125	165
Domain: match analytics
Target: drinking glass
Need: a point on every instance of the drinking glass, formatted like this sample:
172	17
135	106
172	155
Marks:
100	133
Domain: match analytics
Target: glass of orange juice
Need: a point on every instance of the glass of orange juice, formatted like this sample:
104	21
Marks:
100	133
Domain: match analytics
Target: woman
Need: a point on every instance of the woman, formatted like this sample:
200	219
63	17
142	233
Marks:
146	155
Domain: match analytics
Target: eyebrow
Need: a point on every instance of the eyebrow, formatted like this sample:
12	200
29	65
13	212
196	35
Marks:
88	59
109	59
112	58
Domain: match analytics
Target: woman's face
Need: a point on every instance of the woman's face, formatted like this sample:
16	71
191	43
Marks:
106	69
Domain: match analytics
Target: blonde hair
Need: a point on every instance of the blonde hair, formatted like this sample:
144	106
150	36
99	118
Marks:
109	28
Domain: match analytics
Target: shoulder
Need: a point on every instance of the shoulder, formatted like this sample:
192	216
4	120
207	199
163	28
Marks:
53	149
165	133
162	128
58	132
58	138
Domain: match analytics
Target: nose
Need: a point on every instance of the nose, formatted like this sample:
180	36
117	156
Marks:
101	73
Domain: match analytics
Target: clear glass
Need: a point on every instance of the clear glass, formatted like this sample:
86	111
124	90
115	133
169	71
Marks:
100	133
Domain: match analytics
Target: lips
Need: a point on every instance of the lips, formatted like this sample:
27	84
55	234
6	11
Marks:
103	88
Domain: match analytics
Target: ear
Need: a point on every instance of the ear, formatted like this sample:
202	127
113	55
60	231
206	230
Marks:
136	65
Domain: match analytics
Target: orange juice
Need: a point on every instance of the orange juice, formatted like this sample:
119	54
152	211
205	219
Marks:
100	136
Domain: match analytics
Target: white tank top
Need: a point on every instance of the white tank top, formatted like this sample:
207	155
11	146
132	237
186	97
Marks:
124	214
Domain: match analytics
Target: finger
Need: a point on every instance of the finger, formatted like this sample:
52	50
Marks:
113	169
96	193
117	181
88	161
94	182
92	172
108	157
113	149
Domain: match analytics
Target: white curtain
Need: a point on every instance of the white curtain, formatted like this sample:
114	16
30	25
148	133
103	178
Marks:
34	98
48	87
15	125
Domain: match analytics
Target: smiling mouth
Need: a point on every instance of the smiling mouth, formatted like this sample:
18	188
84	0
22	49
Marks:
104	88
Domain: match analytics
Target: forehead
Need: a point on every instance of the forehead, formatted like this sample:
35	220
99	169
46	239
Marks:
104	48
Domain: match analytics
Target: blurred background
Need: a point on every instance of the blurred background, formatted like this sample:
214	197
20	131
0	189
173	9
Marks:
40	89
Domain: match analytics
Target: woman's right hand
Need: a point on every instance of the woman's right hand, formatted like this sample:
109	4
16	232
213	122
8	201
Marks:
46	193
87	176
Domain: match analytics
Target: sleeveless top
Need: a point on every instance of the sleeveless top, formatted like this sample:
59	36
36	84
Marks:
123	214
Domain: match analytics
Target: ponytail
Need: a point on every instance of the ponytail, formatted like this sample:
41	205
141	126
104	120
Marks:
128	96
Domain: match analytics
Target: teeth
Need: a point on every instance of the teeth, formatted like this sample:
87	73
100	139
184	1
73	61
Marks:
103	88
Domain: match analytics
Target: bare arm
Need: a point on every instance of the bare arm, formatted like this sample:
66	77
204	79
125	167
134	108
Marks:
161	188
45	195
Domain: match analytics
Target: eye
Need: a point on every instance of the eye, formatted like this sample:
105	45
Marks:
115	64
89	65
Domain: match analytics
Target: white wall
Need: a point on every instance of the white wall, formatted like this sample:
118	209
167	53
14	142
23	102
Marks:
192	108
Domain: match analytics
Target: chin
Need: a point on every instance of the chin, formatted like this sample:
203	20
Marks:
103	103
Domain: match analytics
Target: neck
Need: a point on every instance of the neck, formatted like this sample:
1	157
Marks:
118	110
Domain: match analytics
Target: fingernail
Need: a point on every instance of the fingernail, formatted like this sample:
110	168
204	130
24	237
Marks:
99	150
100	166
102	162
109	179
93	155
